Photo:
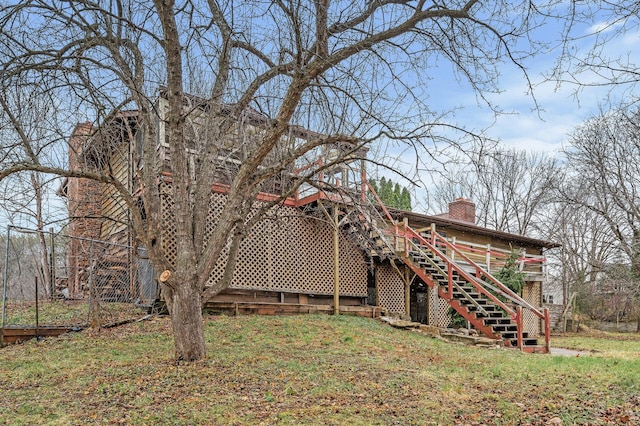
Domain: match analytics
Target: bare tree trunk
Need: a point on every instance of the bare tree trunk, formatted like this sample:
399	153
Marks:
186	319
46	272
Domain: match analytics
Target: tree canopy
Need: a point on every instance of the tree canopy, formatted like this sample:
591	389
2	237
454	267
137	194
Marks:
350	72
392	194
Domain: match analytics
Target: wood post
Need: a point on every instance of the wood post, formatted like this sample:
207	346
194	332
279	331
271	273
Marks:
519	324
364	183
488	258
336	262
407	292
547	329
405	245
453	253
52	265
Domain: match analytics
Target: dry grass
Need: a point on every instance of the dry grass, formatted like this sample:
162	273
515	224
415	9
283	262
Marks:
305	370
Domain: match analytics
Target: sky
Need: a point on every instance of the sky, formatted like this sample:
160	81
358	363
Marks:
561	107
522	126
543	125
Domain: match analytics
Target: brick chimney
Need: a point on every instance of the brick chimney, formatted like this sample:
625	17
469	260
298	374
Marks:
77	140
463	209
84	201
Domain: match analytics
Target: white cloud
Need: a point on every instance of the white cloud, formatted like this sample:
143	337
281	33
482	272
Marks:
605	27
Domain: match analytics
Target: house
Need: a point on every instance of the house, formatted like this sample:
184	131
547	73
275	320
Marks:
329	244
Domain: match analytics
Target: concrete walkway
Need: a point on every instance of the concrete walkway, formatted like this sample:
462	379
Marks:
568	352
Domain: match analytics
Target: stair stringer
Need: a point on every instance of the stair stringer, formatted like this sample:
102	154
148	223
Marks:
454	303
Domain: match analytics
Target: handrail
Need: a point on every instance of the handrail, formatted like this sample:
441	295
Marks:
482	272
380	203
443	273
451	265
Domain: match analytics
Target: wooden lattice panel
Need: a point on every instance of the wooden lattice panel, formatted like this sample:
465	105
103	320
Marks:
531	293
438	310
284	252
169	229
390	289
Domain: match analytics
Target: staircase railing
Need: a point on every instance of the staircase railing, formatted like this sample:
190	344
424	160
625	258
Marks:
414	239
417	248
490	288
383	233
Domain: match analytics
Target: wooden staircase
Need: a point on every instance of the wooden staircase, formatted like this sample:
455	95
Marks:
489	305
464	293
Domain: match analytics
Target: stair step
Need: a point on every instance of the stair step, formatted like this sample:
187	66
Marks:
427	266
525	342
488	308
490	314
481	302
496	321
463	284
506	327
459	295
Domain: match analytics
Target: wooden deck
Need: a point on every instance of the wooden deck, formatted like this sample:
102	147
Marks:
262	308
258	302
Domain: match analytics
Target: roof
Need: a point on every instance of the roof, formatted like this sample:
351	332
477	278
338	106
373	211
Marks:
444	222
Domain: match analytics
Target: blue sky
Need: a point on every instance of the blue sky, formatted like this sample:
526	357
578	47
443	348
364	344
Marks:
560	107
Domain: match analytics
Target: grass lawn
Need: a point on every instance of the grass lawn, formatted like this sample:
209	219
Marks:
320	370
70	312
602	343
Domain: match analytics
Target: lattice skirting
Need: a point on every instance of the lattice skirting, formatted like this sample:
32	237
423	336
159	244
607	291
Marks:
438	310
531	293
390	289
286	251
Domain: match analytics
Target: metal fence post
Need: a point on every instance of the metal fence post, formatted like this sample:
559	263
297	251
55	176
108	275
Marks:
91	307
52	270
5	275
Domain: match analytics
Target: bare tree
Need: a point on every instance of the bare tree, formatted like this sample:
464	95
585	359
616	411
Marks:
349	71
588	57
587	247
603	183
510	188
605	176
28	196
